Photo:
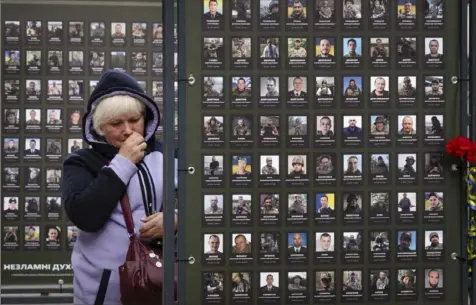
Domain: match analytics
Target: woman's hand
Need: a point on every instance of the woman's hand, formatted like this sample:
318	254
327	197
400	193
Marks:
153	227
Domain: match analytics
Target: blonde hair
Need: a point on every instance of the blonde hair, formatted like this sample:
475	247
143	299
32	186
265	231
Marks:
115	106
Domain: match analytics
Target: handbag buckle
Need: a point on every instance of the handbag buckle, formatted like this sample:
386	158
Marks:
133	233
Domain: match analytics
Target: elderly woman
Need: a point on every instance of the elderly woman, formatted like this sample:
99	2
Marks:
124	158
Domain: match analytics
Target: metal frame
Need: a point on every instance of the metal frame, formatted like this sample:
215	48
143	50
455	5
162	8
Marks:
182	162
467	71
168	12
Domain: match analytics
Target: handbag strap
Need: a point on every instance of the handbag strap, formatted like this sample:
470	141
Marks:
127	212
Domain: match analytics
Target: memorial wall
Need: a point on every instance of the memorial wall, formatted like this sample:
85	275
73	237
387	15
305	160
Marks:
53	56
322	175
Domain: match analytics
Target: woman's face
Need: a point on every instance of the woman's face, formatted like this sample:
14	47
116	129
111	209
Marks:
117	130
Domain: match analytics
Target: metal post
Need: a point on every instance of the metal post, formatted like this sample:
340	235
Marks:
471	111
169	151
182	161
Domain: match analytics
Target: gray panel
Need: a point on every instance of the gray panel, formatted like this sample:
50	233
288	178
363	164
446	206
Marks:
195	188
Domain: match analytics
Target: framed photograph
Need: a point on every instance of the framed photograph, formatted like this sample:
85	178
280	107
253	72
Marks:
434	14
297	15
213	53
34	32
76	32
213	285
379	18
269	15
434	53
118	33
55	62
241	15
97	33
12	32
352	245
325	14
406	15
325	57
139	33
297	52
269	52
213	18
352	14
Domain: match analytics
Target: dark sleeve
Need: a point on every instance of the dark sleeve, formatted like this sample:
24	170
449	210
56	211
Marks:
89	199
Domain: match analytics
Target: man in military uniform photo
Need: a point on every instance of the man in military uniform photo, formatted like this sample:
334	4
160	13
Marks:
241	129
325	209
297	51
352	47
435	204
298	206
241	167
407	89
240	90
435	89
352	244
209	89
212	11
269	243
405	204
325	282
241	245
352	89
352	284
269	169
407	11
405	242
242	207
298	166
324	10
380	127
407	281
379	51
298	12
407	126
434	242
352	204
408	167
350	10
213	208
267	207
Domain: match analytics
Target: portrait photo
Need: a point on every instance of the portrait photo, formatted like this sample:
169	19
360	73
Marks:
434	125
269	165
352	164
407	202
434	86
352	86
379	47
297	164
352	46
269	86
325	86
325	241
325	203
213	204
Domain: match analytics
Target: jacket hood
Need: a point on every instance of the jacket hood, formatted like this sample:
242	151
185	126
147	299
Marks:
114	83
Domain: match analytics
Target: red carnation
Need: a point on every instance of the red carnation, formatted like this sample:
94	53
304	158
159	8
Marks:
460	146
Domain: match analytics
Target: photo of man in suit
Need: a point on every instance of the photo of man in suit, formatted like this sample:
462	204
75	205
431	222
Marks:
269	287
297	90
32	151
297	246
